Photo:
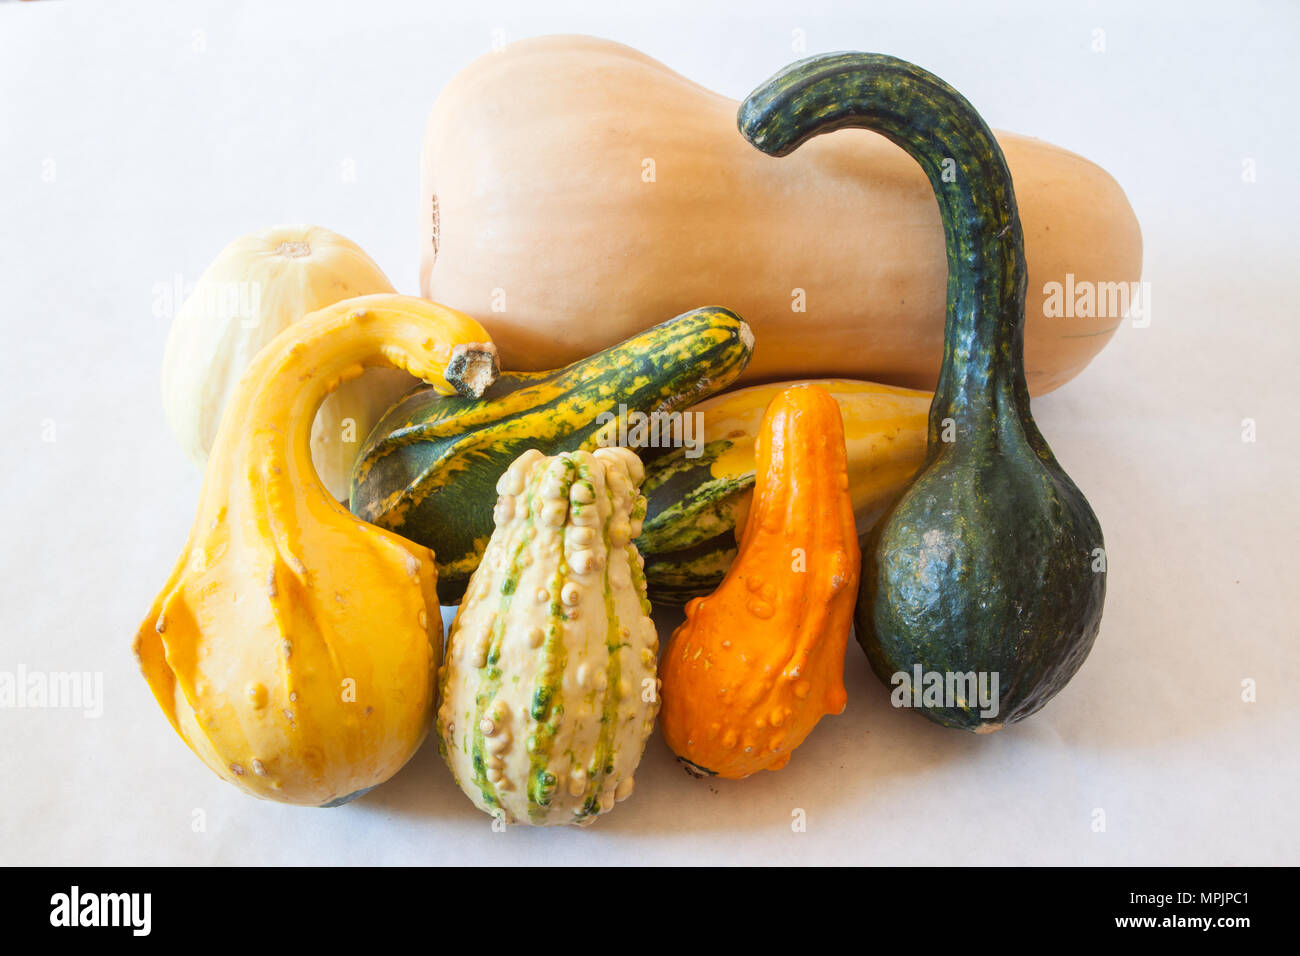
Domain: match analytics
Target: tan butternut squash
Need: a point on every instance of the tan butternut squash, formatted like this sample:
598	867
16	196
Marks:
567	178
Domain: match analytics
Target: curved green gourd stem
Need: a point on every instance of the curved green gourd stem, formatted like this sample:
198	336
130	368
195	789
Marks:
983	361
985	562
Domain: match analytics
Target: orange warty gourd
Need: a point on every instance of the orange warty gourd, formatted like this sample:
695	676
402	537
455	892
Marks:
760	660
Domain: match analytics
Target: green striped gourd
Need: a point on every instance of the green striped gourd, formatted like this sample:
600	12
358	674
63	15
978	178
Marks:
429	468
549	689
696	506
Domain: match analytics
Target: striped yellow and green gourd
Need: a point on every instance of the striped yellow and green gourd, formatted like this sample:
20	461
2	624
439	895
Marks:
429	468
549	690
696	506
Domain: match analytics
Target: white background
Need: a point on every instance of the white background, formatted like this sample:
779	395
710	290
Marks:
174	127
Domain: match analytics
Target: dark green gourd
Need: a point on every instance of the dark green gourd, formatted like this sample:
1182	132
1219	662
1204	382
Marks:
990	562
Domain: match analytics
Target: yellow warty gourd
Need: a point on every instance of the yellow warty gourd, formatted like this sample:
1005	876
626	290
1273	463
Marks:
294	646
258	286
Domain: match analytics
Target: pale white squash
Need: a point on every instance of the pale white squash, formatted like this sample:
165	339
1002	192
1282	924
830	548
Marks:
260	284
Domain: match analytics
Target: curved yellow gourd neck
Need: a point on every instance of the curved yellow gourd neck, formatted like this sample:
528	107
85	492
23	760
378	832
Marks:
269	423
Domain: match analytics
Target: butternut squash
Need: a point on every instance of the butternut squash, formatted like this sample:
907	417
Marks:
758	662
294	646
565	173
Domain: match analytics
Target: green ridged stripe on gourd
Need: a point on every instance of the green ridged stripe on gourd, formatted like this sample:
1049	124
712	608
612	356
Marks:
988	563
427	470
688	501
546	710
599	768
674	577
544	715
